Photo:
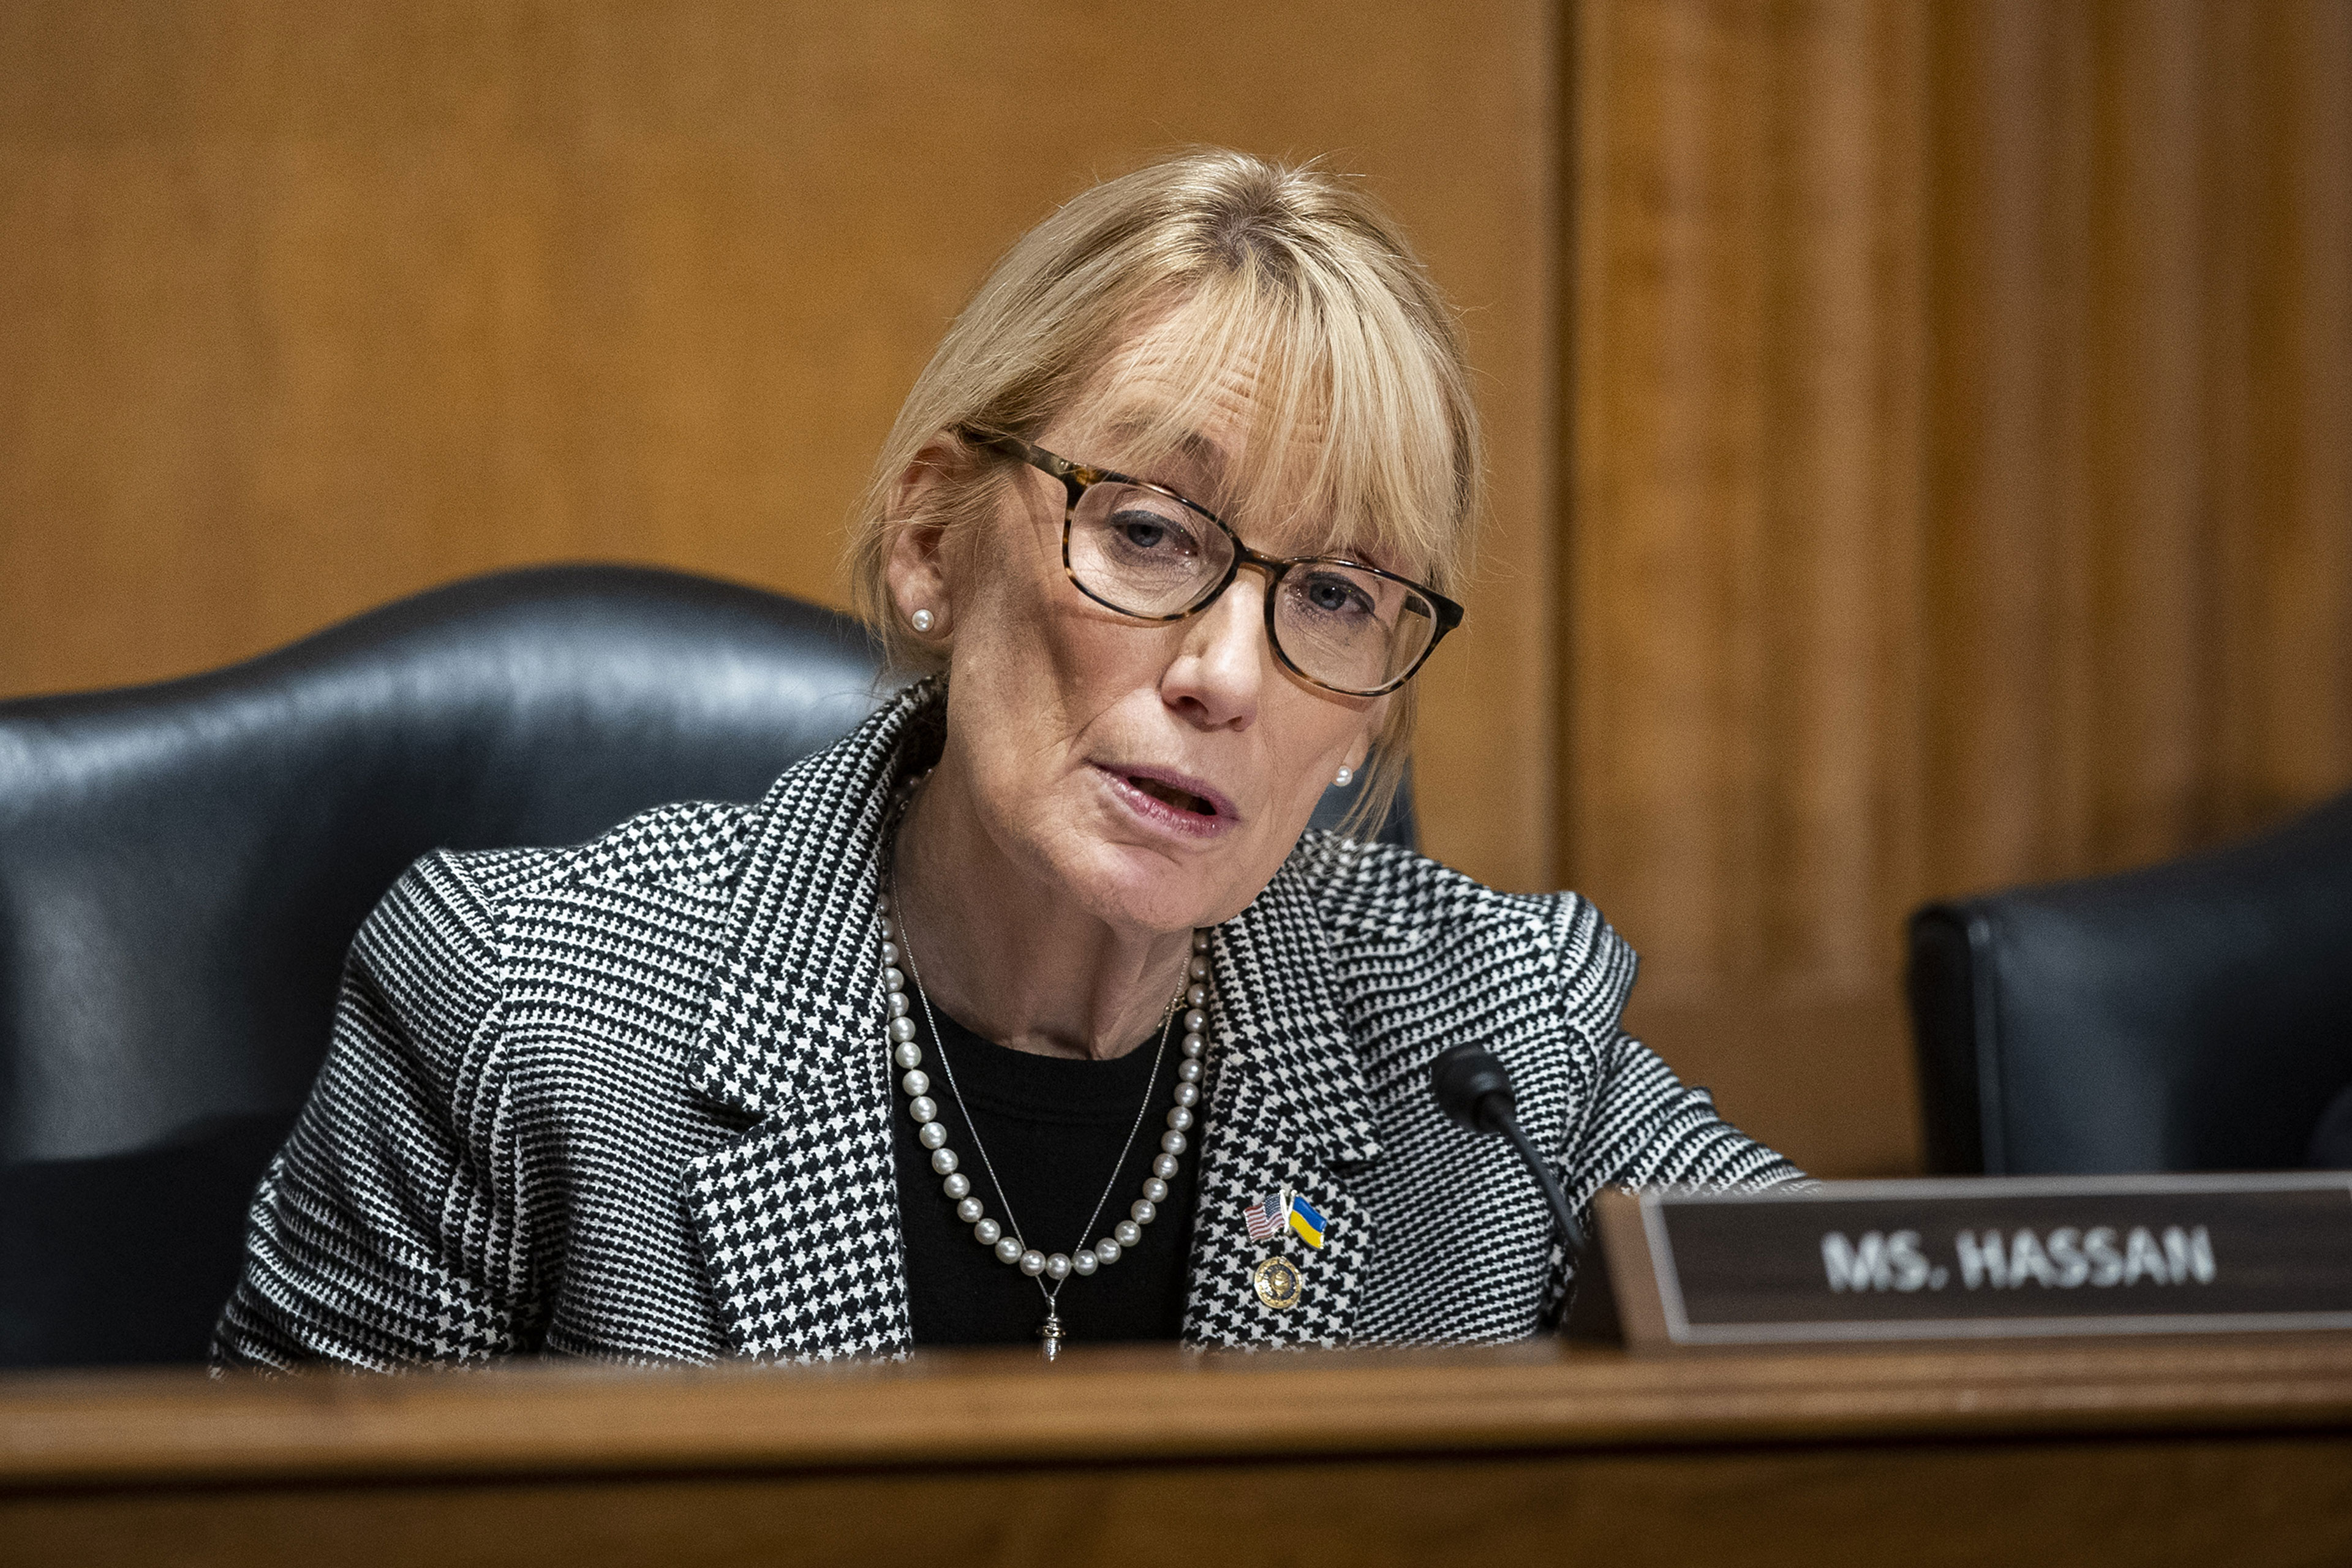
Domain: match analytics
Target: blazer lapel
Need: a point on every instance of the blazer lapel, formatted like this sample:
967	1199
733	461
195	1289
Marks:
797	1218
1286	1108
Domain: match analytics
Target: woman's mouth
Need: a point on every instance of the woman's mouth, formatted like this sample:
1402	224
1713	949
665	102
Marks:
1171	800
1181	799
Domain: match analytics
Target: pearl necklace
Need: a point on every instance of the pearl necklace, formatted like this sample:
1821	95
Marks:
1008	1246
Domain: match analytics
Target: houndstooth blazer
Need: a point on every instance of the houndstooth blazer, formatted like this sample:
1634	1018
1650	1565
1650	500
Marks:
630	1101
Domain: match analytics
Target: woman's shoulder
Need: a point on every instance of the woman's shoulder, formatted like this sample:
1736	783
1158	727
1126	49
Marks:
1391	896
460	905
691	847
1413	940
440	945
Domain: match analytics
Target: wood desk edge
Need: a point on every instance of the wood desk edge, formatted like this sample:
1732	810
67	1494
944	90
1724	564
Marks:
134	1428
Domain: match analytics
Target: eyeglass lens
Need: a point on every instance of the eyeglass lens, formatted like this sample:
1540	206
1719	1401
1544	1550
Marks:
1140	550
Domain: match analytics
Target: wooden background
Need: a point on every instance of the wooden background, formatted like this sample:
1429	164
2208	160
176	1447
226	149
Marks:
1923	429
307	308
1961	469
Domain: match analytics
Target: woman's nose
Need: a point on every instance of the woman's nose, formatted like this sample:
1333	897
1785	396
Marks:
1221	665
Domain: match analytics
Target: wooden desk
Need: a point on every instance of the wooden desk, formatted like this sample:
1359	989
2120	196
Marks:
2227	1450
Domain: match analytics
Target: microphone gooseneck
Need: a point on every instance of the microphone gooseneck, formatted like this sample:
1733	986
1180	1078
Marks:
1474	1090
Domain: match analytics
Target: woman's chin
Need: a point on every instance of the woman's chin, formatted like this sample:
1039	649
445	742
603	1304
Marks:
1139	886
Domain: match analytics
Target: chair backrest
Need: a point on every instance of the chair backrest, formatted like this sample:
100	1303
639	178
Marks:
2195	1015
182	867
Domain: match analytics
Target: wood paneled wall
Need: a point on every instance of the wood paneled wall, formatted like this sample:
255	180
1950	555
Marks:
304	307
1961	486
1923	429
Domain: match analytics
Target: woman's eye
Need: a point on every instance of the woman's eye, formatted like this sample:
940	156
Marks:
1332	595
1148	531
1140	528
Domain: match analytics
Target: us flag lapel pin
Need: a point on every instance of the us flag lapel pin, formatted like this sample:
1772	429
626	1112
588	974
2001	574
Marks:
1287	1210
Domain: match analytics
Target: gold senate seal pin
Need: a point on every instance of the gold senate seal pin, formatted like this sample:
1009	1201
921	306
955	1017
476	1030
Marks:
1277	1283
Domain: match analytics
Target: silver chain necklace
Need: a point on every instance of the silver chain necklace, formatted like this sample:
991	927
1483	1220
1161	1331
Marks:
932	1134
1050	1270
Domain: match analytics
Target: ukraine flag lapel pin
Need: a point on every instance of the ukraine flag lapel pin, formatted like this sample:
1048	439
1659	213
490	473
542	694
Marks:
1307	1220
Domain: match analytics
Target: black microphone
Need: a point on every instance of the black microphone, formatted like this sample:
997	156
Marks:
1473	1088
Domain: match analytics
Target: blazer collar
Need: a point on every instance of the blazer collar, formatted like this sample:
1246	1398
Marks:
798	1217
1289	1108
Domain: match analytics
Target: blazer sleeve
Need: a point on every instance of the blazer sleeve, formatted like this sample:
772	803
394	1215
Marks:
1650	1129
384	1233
1646	1127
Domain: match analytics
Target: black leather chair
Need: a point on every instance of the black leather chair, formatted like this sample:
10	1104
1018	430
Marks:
2195	1015
182	866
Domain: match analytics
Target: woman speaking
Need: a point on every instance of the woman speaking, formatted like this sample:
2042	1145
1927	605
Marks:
1025	1012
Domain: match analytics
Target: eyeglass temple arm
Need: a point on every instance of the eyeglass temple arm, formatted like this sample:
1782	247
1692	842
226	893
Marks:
1015	448
1027	452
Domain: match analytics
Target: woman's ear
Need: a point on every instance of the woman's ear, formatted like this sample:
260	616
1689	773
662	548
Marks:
922	585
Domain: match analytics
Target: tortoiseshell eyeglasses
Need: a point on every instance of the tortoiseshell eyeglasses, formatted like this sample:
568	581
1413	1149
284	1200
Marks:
1144	550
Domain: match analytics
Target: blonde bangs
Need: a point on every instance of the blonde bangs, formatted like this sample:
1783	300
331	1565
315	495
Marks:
1347	450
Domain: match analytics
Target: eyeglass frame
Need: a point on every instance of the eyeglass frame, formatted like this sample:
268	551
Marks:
1078	478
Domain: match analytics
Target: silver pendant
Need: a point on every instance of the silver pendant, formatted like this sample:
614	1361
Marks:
1049	1333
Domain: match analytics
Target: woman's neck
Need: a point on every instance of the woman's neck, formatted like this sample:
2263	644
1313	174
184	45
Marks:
1011	955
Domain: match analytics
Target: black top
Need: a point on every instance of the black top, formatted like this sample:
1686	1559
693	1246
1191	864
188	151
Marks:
1053	1127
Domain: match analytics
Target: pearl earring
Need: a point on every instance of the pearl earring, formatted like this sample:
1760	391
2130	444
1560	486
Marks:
924	620
1347	776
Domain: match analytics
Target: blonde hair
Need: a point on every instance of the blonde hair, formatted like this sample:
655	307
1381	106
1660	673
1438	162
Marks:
1360	418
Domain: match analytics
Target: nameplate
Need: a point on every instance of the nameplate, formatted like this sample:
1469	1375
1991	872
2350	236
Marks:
1971	1258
